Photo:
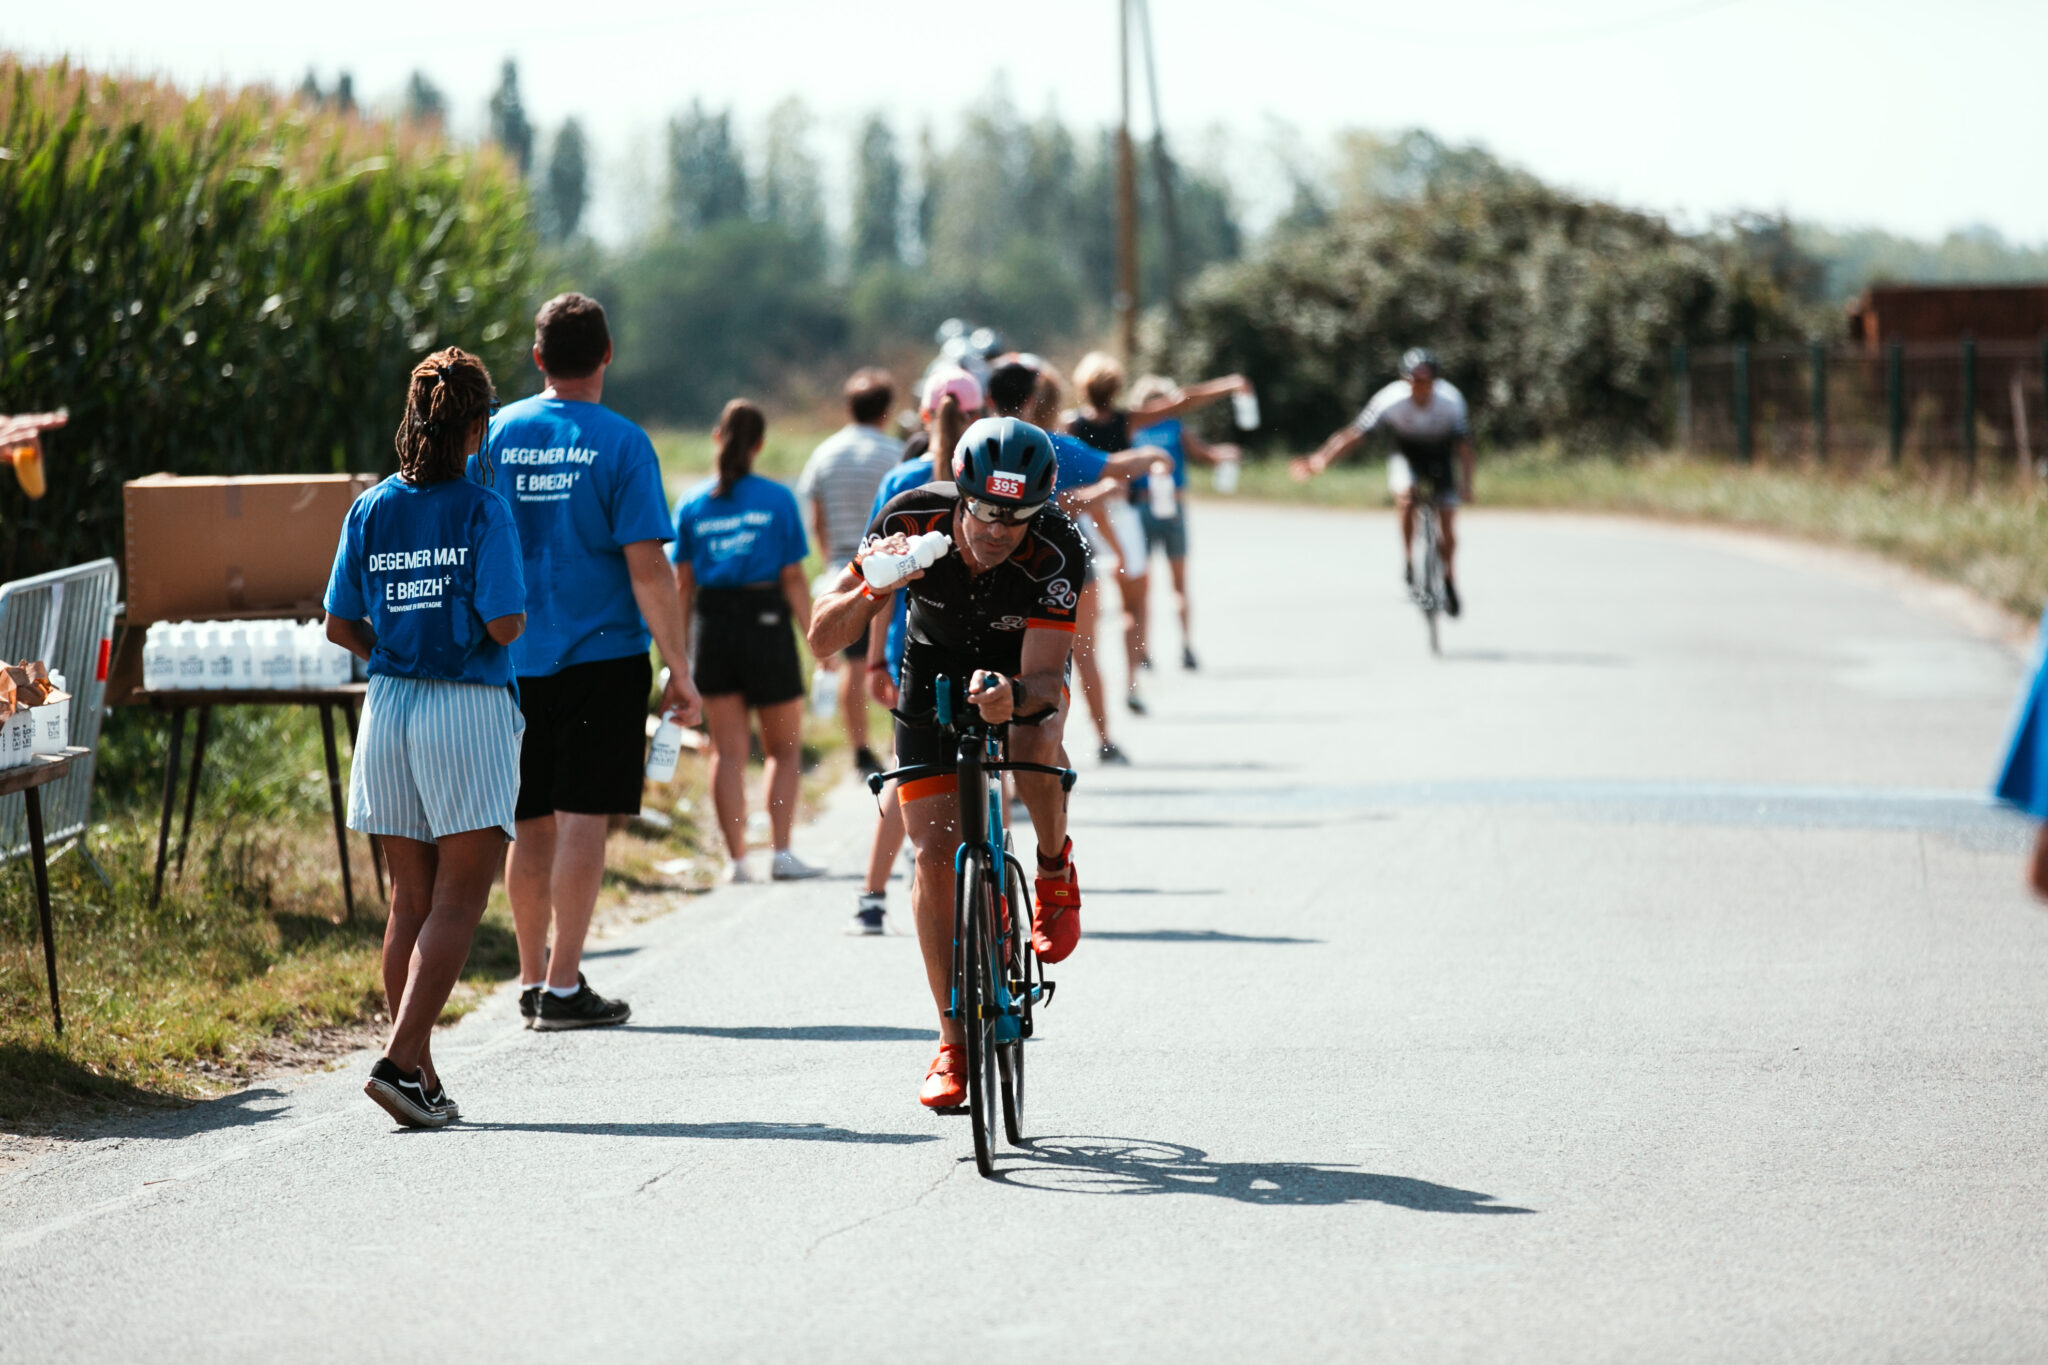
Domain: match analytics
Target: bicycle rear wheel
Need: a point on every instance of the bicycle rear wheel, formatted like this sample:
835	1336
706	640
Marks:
978	1002
1010	1054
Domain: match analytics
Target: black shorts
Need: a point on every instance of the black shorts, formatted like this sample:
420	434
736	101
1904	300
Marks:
921	745
858	650
742	640
586	739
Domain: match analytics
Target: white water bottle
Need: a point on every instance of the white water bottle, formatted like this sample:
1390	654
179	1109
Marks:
220	659
244	656
824	691
1245	407
277	658
886	571
666	748
308	643
191	656
1159	489
159	658
1226	476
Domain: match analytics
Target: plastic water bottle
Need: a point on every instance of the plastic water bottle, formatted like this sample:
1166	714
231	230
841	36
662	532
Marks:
824	691
160	658
1226	476
886	571
337	664
220	659
1245	408
277	658
665	749
191	656
244	656
308	643
1164	499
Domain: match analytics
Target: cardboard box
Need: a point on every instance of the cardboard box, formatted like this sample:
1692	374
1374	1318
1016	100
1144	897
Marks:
211	548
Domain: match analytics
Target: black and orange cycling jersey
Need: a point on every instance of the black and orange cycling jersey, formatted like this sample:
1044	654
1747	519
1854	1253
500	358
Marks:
960	621
978	620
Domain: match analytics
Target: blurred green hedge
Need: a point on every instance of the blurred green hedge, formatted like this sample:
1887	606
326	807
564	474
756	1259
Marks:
229	283
1555	315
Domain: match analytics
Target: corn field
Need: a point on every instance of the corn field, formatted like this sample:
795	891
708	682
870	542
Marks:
229	283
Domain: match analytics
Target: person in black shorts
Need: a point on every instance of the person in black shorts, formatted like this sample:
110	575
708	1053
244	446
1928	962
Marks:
739	557
1430	425
585	491
997	612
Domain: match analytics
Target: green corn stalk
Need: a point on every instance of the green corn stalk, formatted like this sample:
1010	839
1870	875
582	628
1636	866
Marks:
229	283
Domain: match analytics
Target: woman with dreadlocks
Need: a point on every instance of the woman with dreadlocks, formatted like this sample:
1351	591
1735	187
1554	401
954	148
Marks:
427	587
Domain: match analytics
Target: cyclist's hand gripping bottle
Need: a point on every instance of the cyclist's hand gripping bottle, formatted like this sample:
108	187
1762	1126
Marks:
886	570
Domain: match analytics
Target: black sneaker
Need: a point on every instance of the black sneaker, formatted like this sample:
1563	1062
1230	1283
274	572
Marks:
1408	574
529	1000
872	916
1450	597
1111	757
440	1099
404	1096
865	760
1135	704
1187	659
585	1009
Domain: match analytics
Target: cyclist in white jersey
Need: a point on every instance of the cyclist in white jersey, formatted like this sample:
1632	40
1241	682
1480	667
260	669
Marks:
1427	418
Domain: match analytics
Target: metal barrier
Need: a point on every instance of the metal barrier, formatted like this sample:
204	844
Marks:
66	619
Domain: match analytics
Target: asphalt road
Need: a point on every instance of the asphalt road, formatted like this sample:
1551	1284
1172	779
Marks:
1644	980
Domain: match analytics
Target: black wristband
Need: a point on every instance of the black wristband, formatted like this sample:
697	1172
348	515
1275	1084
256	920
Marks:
1016	696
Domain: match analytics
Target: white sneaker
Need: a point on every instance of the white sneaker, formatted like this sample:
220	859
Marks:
738	872
790	868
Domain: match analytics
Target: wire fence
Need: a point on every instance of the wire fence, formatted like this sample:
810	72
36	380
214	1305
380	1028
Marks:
1978	409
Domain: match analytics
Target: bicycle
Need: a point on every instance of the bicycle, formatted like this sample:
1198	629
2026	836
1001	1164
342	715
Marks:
1426	582
996	978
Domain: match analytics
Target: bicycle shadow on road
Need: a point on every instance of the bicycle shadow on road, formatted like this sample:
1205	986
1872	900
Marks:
1188	936
1141	1166
796	1033
744	1132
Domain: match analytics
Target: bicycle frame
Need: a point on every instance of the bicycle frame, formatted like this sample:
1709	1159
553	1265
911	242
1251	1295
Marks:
992	983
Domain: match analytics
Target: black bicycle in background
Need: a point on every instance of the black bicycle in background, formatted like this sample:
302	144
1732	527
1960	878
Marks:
996	978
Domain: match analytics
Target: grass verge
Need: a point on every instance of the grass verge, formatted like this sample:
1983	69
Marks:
1992	539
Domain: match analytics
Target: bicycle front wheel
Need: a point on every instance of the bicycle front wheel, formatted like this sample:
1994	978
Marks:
1010	1052
980	1004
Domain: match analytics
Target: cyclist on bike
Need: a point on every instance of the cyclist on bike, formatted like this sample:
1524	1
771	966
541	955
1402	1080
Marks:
997	612
1427	418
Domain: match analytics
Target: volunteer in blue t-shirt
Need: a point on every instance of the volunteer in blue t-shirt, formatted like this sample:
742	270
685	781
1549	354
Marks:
586	491
739	574
428	587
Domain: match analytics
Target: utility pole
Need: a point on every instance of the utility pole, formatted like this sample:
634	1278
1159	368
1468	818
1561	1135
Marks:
1162	167
1126	199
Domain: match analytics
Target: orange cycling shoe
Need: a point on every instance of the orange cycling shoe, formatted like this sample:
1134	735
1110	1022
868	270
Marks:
1056	927
945	1085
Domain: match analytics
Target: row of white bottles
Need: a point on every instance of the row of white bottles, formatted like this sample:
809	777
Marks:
242	656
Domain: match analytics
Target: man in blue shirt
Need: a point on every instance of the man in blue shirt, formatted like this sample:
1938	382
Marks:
586	491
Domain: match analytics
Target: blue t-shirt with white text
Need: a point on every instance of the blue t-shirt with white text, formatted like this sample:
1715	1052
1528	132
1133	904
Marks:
1167	436
583	483
427	566
748	536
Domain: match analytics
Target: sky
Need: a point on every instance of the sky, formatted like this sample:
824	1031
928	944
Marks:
1911	117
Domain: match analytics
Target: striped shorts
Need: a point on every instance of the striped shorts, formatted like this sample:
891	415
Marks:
434	757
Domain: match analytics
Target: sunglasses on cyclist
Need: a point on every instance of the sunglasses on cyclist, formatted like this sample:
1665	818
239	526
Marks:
994	514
